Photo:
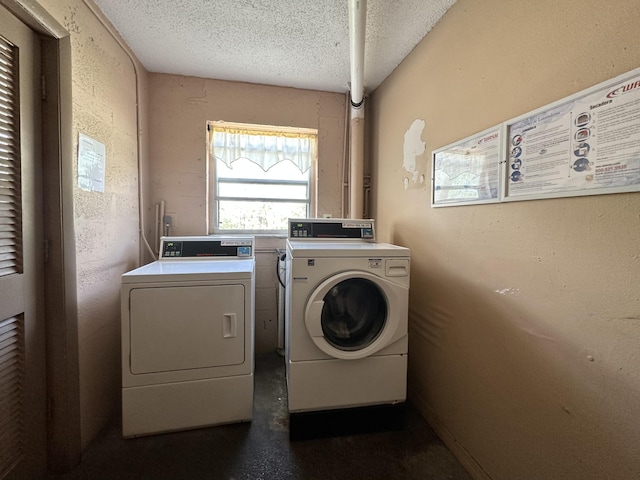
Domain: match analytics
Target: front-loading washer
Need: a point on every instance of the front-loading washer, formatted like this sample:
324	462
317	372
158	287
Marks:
346	316
188	336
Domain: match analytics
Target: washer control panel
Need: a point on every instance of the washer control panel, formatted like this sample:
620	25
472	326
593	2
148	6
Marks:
203	248
333	228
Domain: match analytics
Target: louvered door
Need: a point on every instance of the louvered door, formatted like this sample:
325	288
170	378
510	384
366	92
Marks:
22	367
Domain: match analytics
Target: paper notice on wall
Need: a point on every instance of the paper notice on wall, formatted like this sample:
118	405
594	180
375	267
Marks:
588	143
468	171
91	164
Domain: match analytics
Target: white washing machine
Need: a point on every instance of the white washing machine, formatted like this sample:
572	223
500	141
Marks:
188	336
346	316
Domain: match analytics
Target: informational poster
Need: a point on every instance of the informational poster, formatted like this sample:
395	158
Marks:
91	163
468	172
586	144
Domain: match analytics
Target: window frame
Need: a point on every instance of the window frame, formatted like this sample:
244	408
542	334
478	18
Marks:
213	196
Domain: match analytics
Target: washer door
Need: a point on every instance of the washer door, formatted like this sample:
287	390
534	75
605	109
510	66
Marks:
354	314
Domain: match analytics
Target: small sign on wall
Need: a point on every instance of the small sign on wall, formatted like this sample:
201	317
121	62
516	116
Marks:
91	164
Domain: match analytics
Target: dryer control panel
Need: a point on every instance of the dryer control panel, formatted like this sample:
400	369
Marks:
203	248
331	228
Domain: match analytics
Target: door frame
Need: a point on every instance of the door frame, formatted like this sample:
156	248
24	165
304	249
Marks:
61	317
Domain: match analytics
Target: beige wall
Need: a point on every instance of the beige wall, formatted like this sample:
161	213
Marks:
180	107
524	317
179	110
106	224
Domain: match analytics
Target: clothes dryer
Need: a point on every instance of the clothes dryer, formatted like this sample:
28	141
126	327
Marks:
346	316
188	336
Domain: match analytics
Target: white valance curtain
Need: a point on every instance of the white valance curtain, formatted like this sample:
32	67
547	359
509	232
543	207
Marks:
263	145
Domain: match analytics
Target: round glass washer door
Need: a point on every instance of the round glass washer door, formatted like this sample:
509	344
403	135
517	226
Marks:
354	314
350	315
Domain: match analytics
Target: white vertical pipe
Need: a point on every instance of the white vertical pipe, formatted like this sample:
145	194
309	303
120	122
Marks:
344	192
357	28
356	166
161	224
156	241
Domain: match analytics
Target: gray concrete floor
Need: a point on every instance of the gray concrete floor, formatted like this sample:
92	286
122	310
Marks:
262	448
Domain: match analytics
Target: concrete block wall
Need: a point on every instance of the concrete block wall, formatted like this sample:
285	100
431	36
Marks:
266	300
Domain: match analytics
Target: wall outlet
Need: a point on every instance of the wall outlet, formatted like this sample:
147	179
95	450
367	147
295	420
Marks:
326	215
170	218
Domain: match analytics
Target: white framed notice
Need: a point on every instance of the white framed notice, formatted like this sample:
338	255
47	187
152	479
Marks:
91	164
585	144
469	172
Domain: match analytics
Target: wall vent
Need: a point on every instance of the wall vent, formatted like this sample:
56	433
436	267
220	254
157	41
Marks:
12	377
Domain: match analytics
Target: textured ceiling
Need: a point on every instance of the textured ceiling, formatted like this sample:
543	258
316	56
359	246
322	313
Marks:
293	43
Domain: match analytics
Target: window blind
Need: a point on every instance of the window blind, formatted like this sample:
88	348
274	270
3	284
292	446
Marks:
10	188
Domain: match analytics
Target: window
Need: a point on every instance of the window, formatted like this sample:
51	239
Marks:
260	176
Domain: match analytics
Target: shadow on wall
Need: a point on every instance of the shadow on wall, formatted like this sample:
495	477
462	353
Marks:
515	394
